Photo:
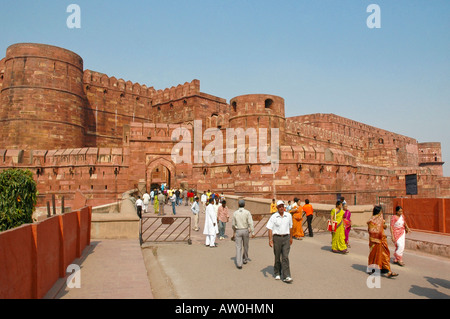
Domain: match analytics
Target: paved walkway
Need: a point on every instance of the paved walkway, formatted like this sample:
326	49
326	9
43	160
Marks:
109	269
121	269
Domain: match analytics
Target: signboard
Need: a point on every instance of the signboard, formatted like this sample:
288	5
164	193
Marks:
411	184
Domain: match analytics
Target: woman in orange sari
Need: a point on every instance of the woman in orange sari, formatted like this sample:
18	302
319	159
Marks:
379	255
297	219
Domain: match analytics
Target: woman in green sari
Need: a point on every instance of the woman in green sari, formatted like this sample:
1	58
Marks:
338	235
156	204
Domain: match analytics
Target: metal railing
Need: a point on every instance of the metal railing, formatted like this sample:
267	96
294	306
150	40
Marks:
165	229
259	224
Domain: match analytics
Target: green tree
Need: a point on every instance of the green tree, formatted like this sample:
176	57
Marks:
18	193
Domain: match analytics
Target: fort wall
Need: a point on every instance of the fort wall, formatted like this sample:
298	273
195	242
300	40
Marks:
83	132
42	95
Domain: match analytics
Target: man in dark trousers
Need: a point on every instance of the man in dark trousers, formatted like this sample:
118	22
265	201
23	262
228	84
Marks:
280	238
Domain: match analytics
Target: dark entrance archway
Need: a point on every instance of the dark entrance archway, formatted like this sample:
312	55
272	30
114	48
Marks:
160	171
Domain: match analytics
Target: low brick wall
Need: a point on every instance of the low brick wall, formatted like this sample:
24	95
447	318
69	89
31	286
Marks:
360	213
34	256
116	220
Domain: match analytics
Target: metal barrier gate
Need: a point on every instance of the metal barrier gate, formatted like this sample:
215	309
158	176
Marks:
165	229
259	224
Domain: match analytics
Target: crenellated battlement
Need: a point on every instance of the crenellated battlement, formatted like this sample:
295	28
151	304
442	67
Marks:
101	80
324	135
351	128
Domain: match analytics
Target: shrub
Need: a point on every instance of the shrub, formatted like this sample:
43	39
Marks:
18	194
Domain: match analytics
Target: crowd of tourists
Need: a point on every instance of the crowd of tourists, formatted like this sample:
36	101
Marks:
161	196
284	225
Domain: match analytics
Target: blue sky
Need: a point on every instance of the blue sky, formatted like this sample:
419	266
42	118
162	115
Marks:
320	56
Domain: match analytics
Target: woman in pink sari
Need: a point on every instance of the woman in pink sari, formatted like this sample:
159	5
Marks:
347	223
399	228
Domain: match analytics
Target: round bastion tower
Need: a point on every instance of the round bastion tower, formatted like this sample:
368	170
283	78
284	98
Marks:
42	102
258	111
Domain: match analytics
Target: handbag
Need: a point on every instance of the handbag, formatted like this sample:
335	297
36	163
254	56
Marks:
332	223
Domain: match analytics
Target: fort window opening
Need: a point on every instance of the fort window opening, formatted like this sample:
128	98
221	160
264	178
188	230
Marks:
234	105
268	103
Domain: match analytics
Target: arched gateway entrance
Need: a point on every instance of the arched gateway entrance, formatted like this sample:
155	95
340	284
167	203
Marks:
160	171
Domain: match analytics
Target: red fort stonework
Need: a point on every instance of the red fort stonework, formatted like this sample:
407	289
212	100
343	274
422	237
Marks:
83	132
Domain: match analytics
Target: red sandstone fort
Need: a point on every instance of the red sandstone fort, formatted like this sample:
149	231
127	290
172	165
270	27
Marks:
83	132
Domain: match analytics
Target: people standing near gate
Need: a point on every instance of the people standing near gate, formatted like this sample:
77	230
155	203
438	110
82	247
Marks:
288	206
242	224
338	235
347	223
184	195
156	204
146	200
211	228
379	254
216	204
223	217
399	229
273	207
309	211
280	238
297	219
195	208
173	201
178	197
169	195
162	202
139	204
204	200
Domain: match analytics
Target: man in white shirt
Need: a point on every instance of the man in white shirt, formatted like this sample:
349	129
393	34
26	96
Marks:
280	238
173	200
203	199
146	199
139	204
211	228
195	208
